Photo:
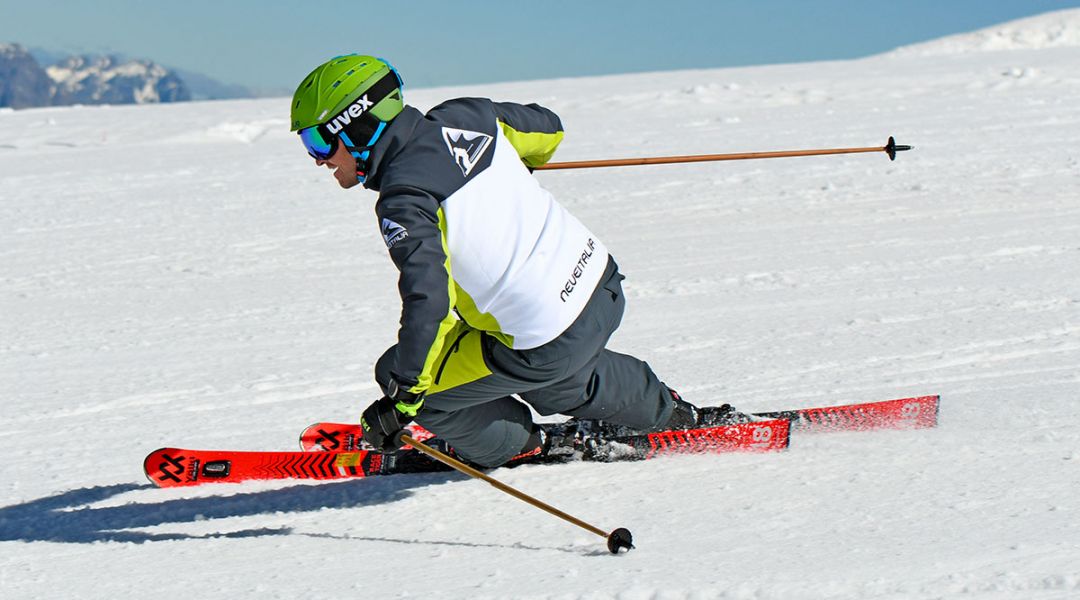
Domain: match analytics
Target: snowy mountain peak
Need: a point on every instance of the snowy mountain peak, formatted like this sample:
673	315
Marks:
36	77
110	79
1050	30
13	52
22	82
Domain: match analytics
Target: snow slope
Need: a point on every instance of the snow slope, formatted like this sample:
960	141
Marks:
1057	29
182	275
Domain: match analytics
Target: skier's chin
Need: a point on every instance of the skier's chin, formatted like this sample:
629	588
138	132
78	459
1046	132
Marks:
345	179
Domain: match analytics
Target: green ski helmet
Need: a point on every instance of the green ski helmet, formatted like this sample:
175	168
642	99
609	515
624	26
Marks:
348	99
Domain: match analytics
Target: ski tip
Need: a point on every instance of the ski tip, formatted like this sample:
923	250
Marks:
149	469
304	434
935	403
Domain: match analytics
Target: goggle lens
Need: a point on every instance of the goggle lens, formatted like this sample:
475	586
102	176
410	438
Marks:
316	145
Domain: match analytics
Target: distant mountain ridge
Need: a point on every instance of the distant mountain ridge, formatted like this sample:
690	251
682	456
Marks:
99	79
111	80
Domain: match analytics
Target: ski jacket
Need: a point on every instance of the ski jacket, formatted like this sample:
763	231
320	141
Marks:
473	234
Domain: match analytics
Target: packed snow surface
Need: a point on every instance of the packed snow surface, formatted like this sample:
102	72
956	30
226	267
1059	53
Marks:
182	275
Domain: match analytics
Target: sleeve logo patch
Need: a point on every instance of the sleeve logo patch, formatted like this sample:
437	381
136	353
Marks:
393	233
466	147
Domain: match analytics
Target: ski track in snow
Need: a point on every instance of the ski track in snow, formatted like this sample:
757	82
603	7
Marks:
205	286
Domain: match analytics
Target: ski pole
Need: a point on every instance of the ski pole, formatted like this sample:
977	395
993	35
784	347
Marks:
619	539
891	148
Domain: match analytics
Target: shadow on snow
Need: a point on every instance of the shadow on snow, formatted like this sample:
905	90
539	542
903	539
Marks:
57	518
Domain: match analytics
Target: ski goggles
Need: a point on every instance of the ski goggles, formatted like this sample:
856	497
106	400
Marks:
320	144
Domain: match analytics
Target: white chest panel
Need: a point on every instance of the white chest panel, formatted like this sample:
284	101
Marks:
521	256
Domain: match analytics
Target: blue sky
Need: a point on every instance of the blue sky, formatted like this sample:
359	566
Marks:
272	44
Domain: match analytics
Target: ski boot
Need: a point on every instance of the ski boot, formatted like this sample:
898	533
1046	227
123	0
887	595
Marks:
572	440
597	440
688	416
555	442
587	439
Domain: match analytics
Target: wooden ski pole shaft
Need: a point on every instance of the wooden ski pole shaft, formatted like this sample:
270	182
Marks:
619	539
890	148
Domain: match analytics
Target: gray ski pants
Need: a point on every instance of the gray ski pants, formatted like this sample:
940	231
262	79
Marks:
471	407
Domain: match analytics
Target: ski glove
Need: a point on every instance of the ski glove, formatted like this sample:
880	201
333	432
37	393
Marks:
385	419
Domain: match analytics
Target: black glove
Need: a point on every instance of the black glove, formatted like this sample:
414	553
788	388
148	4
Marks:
384	420
382	423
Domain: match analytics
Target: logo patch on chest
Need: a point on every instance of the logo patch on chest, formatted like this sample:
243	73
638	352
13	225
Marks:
466	147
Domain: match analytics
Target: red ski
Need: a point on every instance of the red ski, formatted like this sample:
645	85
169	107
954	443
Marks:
759	436
345	457
175	467
904	413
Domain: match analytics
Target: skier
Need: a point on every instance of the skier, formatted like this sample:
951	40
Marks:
503	291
